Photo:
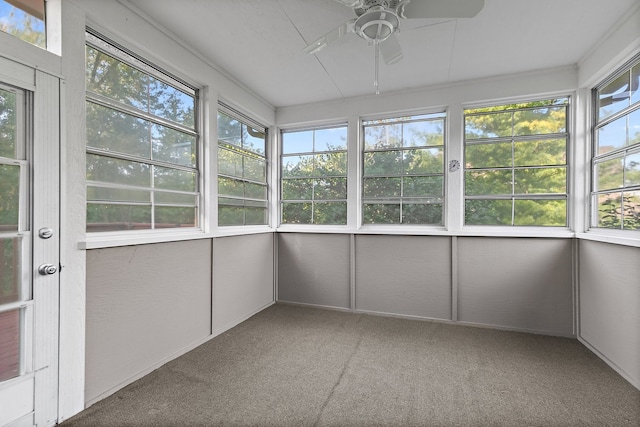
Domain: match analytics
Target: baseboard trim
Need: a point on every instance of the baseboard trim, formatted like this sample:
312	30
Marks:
169	358
633	381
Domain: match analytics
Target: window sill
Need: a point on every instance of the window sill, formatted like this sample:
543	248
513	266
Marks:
615	237
117	239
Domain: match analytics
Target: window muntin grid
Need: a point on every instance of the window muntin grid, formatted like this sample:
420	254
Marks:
615	183
142	144
516	170
403	170
314	176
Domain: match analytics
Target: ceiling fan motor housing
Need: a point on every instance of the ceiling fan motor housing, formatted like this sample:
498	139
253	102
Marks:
378	22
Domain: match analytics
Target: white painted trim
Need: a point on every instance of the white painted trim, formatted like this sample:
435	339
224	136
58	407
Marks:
623	238
633	381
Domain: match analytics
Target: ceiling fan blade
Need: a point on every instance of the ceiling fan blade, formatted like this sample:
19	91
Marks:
414	9
391	50
329	38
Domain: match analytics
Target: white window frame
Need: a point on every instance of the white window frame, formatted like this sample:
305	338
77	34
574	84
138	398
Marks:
116	238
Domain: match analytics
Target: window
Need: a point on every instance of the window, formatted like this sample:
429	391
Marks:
24	19
403	174
142	144
516	164
242	170
615	193
314	176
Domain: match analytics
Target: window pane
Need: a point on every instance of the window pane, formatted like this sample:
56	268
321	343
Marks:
9	344
10	270
174	217
631	210
25	23
230	187
488	125
255	191
330	213
420	134
253	139
382	187
635	84
106	217
170	103
116	80
541	181
609	210
330	189
488	155
255	169
9	197
552	213
8	120
487	212
614	97
633	129
229	130
173	146
612	136
632	170
383	163
174	179
108	170
297	213
331	139
106	194
609	174
175	198
545	152
297	142
331	164
380	213
423	161
384	136
423	186
230	163
255	216
422	213
540	121
488	182
297	166
230	215
297	189
111	130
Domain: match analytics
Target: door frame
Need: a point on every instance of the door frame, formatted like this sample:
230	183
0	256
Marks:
43	144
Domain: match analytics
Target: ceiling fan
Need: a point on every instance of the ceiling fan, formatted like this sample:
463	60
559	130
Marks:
378	22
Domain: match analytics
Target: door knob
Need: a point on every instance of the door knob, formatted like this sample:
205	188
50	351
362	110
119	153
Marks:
47	269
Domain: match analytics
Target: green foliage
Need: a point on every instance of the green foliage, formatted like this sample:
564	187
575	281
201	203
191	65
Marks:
512	152
117	132
621	212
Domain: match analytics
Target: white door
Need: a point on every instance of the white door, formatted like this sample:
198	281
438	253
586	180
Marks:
29	245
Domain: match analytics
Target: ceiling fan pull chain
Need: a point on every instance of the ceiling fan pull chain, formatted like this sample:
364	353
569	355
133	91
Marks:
376	48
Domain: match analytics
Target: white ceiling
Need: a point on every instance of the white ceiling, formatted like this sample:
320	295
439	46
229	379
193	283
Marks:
260	43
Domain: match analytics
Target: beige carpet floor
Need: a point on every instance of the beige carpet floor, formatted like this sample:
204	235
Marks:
299	366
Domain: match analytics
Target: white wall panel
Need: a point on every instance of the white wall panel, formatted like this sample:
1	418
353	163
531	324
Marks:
610	304
314	269
406	275
145	304
517	283
242	278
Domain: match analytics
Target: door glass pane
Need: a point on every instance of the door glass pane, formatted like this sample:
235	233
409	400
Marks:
7	124
9	344
10	265
9	197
